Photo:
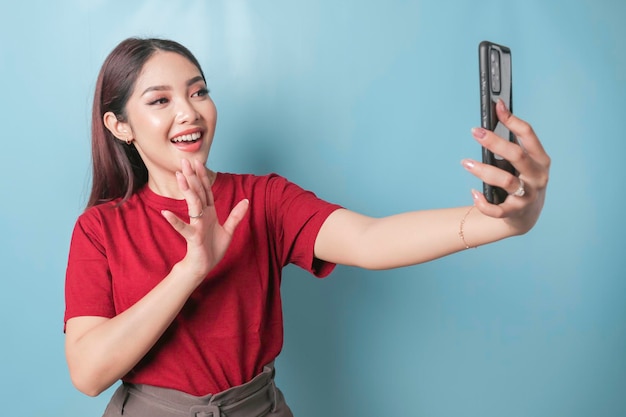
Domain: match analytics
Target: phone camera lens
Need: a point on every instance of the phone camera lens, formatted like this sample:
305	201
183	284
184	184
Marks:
494	57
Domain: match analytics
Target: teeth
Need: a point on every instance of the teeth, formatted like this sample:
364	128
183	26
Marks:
187	138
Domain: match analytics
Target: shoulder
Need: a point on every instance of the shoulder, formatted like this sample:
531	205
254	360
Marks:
249	179
96	217
251	184
272	192
89	229
104	222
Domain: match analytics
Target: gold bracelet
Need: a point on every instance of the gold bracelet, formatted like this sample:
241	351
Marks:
461	233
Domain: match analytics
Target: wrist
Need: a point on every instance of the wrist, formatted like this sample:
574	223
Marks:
477	229
462	229
188	270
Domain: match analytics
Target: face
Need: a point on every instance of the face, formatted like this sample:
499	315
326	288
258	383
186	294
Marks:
170	116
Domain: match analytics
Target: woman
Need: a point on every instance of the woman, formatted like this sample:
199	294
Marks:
174	270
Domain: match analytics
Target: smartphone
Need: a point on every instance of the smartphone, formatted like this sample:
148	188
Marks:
495	84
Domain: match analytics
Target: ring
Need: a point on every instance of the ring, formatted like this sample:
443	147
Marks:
520	190
197	216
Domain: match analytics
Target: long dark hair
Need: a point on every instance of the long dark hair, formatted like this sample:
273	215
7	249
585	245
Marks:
118	170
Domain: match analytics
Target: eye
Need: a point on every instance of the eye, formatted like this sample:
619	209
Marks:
201	92
161	100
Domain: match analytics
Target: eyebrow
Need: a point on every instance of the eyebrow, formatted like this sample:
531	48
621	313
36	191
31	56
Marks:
189	83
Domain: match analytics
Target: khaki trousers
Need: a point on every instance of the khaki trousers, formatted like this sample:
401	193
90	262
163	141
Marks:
258	398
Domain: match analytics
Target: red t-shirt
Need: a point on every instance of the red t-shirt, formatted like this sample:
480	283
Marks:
232	324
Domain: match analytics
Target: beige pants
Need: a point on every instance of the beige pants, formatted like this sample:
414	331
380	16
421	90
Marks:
258	398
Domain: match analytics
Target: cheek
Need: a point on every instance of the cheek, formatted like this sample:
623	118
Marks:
156	122
150	123
212	113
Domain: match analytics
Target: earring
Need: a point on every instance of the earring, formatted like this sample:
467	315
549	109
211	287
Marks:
129	141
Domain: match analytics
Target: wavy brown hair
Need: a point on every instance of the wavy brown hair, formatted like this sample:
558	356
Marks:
118	170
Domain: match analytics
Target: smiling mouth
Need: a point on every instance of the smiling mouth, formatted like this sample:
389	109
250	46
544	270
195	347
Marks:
190	138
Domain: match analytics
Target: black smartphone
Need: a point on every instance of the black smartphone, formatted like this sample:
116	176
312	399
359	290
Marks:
496	83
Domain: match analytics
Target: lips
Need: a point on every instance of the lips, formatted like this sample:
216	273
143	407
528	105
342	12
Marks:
192	137
188	141
188	135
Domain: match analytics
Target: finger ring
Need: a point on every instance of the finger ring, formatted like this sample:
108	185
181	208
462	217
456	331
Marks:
197	216
520	190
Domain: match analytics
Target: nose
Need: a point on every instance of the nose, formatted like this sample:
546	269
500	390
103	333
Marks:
186	112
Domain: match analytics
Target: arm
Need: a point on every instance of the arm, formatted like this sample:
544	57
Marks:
404	239
99	350
410	238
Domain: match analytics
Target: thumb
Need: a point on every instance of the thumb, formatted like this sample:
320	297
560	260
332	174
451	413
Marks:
235	216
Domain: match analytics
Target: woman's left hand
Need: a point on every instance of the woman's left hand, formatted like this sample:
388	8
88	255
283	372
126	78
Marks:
528	157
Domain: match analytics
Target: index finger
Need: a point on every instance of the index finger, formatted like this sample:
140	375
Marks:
203	174
194	202
524	132
194	180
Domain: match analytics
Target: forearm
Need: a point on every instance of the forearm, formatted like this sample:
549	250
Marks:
405	239
417	237
100	355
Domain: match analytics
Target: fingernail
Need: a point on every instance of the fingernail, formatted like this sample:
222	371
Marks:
468	164
475	194
479	132
501	105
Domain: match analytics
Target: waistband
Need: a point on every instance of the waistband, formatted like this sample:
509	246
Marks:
256	397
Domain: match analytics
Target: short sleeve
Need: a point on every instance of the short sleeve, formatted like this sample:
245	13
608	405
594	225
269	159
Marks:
88	289
297	216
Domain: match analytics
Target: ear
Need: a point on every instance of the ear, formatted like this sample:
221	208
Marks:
120	130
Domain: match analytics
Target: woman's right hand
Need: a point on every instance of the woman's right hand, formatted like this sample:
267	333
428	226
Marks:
207	240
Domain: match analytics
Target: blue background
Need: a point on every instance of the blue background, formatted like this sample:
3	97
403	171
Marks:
369	104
